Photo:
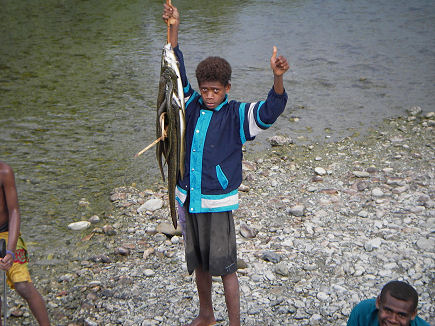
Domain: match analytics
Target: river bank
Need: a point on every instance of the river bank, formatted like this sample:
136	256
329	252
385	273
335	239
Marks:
320	227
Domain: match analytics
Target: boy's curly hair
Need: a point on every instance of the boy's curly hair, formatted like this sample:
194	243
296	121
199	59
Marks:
214	69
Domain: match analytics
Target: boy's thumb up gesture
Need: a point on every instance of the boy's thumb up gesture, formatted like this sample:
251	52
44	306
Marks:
279	64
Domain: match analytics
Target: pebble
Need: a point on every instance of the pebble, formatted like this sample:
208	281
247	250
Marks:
426	244
148	272
377	192
322	296
168	229
320	171
246	231
361	174
280	140
79	226
151	205
297	210
94	219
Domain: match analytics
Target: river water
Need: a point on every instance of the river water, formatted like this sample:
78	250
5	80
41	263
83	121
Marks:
78	84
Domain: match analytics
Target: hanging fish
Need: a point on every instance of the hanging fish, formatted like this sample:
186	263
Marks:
170	124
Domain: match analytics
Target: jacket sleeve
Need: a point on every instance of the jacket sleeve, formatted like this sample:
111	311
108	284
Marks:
258	116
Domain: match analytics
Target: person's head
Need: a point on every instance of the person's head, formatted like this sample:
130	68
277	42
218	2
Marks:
397	304
214	80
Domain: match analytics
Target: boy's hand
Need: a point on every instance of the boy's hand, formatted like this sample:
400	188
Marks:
6	262
279	65
170	15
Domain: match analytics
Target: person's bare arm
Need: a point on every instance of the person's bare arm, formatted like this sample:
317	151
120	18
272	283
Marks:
11	201
171	15
279	66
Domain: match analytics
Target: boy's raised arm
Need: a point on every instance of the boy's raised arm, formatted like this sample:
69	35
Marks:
171	16
279	66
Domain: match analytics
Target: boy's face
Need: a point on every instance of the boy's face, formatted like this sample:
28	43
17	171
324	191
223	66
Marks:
394	311
213	93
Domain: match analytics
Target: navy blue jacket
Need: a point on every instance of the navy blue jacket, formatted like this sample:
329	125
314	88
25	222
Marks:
214	140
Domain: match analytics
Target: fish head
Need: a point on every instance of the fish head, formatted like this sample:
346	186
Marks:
168	57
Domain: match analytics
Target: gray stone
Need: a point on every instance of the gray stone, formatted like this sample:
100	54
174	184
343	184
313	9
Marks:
415	110
151	205
297	210
281	269
79	226
320	171
361	174
271	257
280	140
377	192
426	244
246	231
168	228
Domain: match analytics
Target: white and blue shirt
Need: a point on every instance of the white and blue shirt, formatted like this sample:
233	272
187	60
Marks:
214	140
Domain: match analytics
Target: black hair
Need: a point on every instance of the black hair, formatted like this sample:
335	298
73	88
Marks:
401	291
214	69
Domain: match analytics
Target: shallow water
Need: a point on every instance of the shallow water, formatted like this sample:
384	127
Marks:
78	84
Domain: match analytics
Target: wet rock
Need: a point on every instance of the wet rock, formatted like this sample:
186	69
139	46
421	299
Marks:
415	110
84	202
79	226
94	219
280	140
118	196
109	230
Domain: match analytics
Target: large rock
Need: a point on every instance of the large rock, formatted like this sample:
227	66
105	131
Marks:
78	226
151	205
168	229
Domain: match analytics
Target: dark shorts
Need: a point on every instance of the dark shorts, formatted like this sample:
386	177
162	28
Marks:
210	243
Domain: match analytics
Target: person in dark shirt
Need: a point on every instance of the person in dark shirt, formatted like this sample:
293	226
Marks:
395	305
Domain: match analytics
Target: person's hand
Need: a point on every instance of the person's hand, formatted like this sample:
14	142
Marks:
6	262
279	64
170	14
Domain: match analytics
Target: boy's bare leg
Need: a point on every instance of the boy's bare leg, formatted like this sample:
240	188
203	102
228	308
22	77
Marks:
36	303
206	314
232	298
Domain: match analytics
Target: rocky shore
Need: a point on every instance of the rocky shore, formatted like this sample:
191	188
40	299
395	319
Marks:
320	228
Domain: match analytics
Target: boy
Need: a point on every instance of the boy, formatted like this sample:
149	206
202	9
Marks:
215	132
395	305
15	260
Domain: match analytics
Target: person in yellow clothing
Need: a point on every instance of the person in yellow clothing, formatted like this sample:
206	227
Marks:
16	258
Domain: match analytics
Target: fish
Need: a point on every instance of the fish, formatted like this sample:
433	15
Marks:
170	125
